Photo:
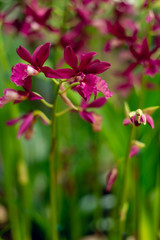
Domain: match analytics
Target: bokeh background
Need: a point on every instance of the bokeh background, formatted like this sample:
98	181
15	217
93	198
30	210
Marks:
86	210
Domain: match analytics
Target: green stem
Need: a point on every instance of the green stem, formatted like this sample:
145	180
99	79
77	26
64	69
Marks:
63	112
70	86
42	115
53	171
4	60
46	103
55	81
124	194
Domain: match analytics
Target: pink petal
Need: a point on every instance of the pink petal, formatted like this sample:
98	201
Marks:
102	86
134	151
112	175
126	121
26	124
13	121
149	120
19	74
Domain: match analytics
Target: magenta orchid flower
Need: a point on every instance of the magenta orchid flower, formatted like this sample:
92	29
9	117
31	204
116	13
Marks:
17	96
142	54
138	118
26	127
84	73
119	31
86	66
22	73
38	16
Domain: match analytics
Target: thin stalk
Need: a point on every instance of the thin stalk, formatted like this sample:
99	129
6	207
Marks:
69	87
53	171
124	205
63	112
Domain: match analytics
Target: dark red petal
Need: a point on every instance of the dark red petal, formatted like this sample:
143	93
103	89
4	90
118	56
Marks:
59	73
70	57
86	60
24	54
130	68
41	54
87	116
97	67
27	84
145	53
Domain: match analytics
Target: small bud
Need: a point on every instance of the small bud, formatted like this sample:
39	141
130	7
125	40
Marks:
123	212
112	175
22	173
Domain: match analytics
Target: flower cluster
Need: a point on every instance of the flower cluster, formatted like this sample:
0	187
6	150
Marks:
81	77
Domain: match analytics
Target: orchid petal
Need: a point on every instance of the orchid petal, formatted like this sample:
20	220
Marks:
24	54
86	60
26	124
87	116
99	102
41	54
97	67
70	57
149	120
59	73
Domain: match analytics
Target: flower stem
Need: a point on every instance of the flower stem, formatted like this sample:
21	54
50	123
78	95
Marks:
46	103
63	112
55	81
125	184
53	171
70	86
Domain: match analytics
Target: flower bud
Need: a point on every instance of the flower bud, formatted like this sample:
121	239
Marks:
112	175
